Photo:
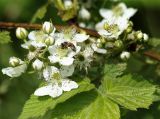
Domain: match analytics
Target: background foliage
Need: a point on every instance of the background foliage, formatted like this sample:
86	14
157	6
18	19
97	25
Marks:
13	94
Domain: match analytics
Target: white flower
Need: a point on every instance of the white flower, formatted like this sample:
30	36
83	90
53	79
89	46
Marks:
57	80
84	58
37	64
52	73
56	89
120	10
112	28
21	33
48	27
71	36
84	14
62	55
15	71
125	55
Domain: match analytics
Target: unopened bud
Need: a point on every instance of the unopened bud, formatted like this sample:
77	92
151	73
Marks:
21	33
139	35
68	4
14	61
129	29
49	41
118	44
145	37
37	64
130	24
47	27
125	55
84	14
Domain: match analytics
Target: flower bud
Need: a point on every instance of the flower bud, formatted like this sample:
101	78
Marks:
68	4
118	44
14	61
145	37
130	24
129	29
21	33
139	35
49	41
84	14
125	55
47	27
37	64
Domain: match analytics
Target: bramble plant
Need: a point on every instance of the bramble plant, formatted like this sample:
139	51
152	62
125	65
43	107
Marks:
82	65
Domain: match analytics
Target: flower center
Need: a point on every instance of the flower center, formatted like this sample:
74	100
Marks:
113	28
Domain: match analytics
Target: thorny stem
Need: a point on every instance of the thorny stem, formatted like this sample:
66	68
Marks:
12	25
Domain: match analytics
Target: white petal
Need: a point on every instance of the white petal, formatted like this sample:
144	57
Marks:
53	59
68	85
37	64
67	71
52	49
48	72
122	23
98	50
26	45
104	33
43	91
101	51
105	13
38	44
130	12
15	71
55	91
66	61
80	37
32	35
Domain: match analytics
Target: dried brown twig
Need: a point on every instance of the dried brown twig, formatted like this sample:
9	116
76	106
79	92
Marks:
11	25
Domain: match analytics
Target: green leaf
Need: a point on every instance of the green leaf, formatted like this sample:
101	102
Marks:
40	13
5	37
36	107
114	70
88	105
130	91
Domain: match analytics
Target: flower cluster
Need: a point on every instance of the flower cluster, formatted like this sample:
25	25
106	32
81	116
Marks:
55	55
116	27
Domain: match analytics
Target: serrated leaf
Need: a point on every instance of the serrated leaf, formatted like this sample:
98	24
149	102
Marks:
114	70
5	37
88	105
40	13
130	91
36	107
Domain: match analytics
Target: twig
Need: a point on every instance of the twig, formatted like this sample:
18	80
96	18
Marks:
11	25
153	55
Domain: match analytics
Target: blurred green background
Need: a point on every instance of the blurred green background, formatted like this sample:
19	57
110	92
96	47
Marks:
14	93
